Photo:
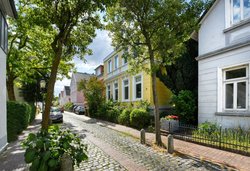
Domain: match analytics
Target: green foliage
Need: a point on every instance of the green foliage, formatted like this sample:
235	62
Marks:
139	118
68	106
44	150
184	106
124	117
183	73
93	90
208	129
109	110
19	115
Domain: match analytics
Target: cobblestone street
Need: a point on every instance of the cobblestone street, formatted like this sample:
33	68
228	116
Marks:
108	149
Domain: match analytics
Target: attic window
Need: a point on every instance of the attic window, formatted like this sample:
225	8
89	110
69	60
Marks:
240	10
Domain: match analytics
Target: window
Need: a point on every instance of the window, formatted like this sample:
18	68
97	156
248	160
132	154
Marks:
108	92
124	56
115	92
235	85
138	87
116	61
109	66
240	10
125	89
3	33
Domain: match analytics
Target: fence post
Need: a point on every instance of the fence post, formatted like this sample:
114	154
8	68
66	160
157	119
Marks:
169	127
142	137
220	137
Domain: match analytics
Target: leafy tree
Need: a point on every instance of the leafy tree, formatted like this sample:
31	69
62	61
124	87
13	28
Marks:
155	32
183	73
93	90
73	24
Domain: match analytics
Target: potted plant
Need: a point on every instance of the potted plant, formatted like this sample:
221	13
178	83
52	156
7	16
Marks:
46	150
170	121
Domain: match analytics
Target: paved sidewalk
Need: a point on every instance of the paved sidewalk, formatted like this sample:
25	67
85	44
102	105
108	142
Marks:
12	159
221	157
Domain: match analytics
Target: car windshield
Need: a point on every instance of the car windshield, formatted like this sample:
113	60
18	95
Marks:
54	110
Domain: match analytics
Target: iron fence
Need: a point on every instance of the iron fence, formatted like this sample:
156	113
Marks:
234	140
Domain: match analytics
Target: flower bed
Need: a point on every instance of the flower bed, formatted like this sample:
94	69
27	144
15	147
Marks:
170	121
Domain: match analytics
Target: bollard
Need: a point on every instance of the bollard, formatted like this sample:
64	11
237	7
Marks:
170	144
66	163
143	141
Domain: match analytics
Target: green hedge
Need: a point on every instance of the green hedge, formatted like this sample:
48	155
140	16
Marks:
124	117
139	118
19	115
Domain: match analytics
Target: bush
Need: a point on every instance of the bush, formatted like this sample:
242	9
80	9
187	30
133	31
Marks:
68	106
185	106
139	118
124	117
32	113
44	150
19	115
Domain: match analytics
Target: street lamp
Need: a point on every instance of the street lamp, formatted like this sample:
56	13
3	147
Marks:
42	88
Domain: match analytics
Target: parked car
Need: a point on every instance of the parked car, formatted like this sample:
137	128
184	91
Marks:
74	108
80	110
56	115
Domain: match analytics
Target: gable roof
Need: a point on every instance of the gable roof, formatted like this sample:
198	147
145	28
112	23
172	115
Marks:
67	90
211	5
78	76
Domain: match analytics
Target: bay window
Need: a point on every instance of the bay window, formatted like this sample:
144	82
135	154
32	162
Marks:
3	33
240	10
236	88
115	91
108	92
125	89
138	87
109	66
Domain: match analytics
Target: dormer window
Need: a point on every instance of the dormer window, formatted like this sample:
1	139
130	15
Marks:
240	10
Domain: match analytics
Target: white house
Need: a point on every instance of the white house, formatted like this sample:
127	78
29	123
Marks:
7	7
64	96
224	64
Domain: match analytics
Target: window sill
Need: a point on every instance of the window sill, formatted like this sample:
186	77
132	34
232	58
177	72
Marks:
237	25
236	113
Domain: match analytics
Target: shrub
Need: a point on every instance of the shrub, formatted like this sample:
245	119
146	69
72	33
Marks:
139	118
19	115
32	113
68	106
44	150
124	117
185	106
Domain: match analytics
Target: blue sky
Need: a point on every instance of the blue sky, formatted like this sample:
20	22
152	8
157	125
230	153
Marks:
101	47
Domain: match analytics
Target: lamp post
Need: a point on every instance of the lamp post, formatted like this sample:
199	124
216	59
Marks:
43	89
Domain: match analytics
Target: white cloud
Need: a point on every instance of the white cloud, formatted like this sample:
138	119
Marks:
101	47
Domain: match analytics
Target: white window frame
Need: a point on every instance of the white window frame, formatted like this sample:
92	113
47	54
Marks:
107	92
109	66
123	90
241	12
114	88
134	87
116	62
235	81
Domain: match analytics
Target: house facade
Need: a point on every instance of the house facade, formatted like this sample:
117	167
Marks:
64	96
7	7
124	87
224	61
99	72
77	97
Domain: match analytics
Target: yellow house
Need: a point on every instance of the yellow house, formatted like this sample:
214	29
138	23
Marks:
124	87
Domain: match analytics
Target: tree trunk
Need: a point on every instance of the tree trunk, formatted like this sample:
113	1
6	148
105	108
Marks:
50	86
156	110
10	88
155	96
